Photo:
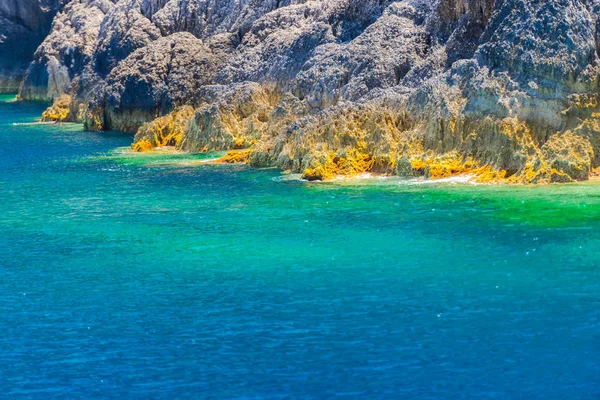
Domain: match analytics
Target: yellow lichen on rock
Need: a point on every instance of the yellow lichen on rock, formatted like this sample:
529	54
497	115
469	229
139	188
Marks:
93	118
325	170
444	166
142	145
235	157
348	144
166	131
433	166
60	111
237	123
568	154
372	139
239	143
584	101
487	174
351	161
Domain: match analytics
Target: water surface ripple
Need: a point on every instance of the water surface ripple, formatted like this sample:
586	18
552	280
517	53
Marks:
159	276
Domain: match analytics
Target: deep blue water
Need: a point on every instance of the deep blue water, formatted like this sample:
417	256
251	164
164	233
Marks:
158	276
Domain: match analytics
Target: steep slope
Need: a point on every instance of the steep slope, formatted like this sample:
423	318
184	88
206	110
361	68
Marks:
65	51
23	26
502	89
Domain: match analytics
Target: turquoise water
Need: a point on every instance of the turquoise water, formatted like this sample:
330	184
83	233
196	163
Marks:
161	276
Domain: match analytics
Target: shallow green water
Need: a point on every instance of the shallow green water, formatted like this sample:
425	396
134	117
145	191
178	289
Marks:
163	276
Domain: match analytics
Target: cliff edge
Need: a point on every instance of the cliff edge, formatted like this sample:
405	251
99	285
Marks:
505	90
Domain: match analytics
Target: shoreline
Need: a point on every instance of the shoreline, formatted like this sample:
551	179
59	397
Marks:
226	159
429	167
260	128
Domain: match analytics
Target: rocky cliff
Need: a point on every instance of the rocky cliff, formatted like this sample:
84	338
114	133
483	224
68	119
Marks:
505	90
23	26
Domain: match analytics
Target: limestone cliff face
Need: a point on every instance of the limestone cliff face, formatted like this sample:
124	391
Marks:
205	19
154	79
65	51
23	26
502	89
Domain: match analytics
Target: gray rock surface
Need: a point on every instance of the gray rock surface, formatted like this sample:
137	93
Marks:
229	117
351	70
66	50
23	26
154	79
210	17
339	85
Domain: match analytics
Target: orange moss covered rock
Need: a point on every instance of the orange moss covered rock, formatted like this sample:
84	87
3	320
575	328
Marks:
142	145
163	131
352	161
235	157
60	111
449	165
570	155
236	121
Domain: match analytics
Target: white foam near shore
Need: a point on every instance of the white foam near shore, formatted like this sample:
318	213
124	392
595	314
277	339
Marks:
289	177
32	123
387	179
454	180
8	99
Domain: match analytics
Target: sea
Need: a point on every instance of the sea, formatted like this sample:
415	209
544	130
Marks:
163	275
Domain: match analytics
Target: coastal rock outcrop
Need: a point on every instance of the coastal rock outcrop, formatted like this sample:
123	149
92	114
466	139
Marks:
60	111
506	90
23	26
165	131
229	117
152	81
66	50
